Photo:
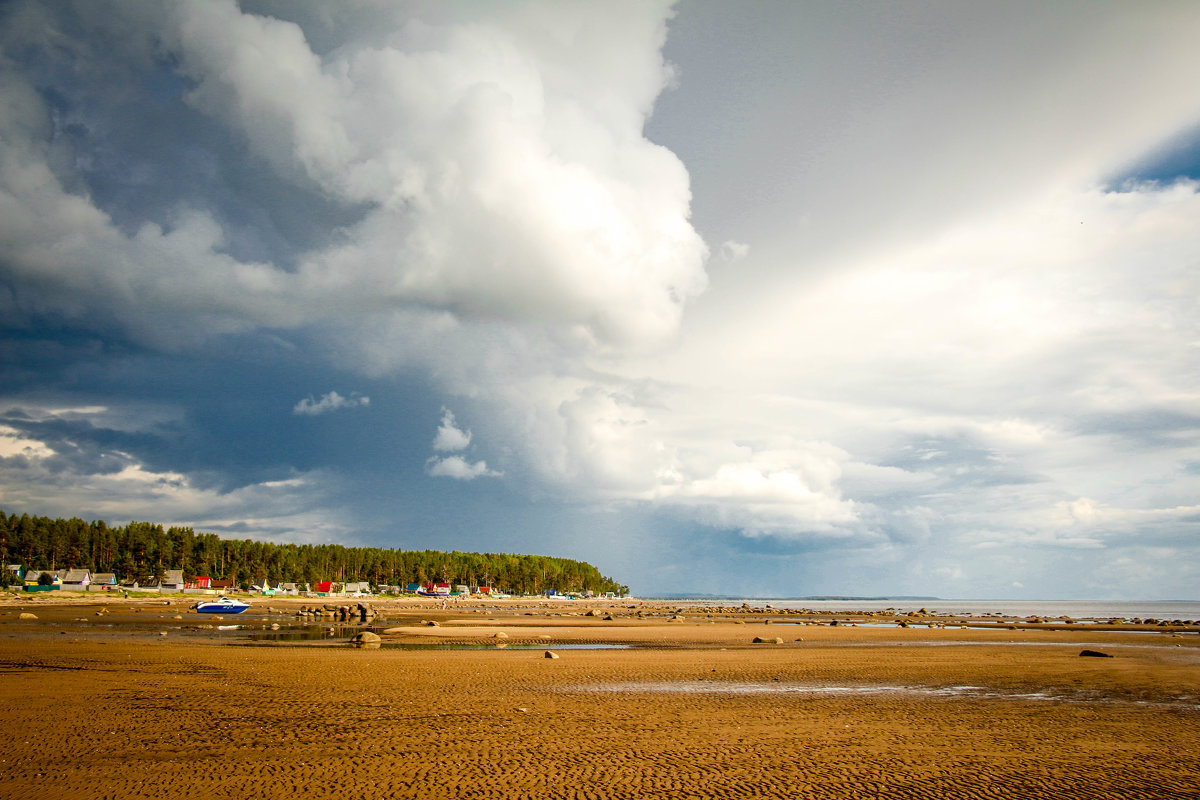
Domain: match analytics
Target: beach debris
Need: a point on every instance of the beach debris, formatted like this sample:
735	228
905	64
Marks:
550	654
1093	654
26	615
766	640
366	640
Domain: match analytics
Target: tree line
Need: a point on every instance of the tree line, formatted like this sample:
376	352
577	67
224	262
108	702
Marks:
143	550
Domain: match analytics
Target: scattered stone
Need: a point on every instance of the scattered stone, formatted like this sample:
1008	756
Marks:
26	615
550	654
523	710
433	623
177	616
765	640
500	635
162	633
1093	654
274	626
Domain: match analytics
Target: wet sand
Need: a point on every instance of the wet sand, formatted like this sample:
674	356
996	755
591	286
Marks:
99	703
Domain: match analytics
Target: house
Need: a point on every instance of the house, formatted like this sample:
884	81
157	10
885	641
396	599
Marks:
103	580
130	585
358	588
16	572
173	581
199	582
32	577
324	587
77	580
289	589
223	584
412	588
462	589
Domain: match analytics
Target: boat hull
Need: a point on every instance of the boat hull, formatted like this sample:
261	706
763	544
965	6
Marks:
221	608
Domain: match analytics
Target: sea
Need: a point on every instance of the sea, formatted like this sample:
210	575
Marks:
1073	609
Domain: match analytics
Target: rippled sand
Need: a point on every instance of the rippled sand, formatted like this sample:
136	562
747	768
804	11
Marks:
98	703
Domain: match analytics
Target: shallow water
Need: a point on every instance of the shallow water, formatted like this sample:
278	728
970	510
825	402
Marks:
1187	703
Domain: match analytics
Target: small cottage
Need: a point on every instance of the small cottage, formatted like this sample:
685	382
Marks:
77	580
103	580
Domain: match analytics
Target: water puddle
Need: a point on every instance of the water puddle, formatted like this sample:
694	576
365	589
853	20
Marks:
492	645
1187	703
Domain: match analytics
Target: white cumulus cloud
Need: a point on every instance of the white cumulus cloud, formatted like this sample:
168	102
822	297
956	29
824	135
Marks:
331	401
459	468
449	436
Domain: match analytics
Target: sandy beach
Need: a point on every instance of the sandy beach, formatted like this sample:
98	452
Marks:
143	698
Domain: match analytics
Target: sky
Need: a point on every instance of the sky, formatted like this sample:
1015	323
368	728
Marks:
780	298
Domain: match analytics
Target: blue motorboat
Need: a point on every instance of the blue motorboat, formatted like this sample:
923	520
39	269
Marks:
225	605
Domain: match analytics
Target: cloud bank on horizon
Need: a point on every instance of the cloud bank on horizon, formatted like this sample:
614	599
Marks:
785	299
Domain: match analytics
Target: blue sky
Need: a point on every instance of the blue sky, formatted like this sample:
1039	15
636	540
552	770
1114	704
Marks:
780	298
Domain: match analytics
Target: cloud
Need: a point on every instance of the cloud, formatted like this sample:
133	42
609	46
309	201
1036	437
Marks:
732	251
459	468
449	436
331	401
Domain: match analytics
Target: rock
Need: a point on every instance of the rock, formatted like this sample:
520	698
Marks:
500	635
26	615
433	623
274	626
177	616
550	654
765	640
366	640
1093	654
592	613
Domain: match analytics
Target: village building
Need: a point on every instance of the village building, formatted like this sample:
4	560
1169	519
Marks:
77	580
103	581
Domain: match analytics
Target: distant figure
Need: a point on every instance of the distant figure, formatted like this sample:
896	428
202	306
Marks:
443	605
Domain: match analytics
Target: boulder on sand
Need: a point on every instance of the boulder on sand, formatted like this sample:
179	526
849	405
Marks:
550	654
1093	654
366	640
27	615
765	640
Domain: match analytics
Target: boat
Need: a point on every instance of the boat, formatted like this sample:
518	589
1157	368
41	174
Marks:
225	605
434	590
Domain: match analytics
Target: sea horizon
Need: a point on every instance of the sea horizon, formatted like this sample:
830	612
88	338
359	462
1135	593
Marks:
1075	609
